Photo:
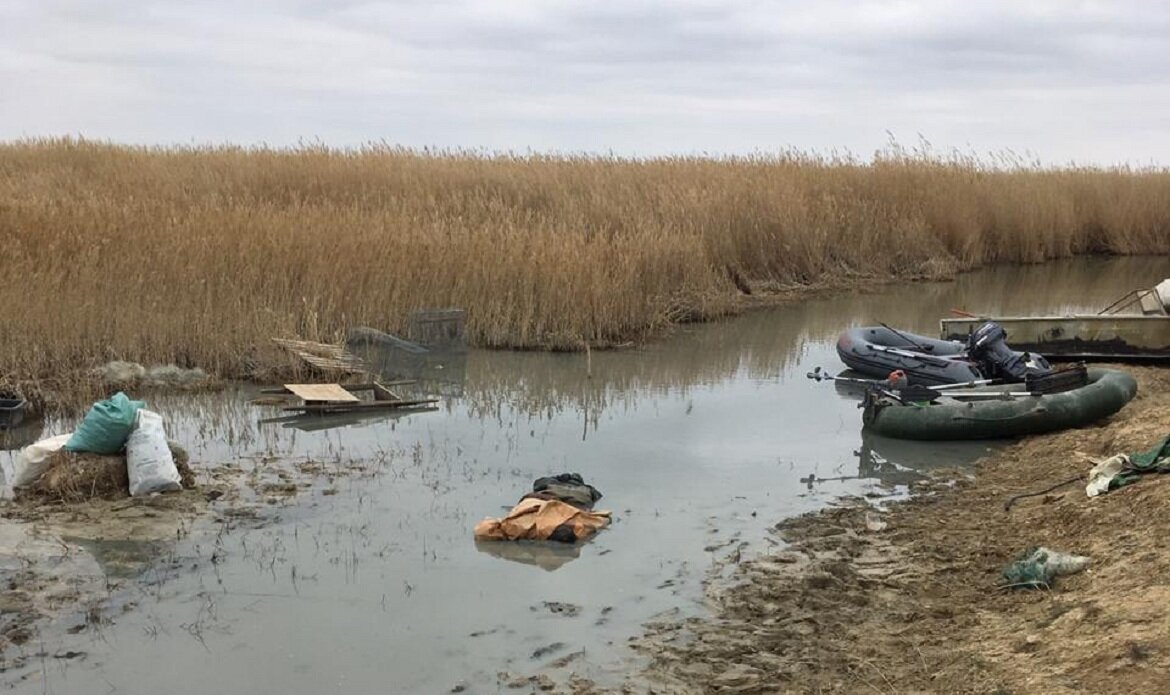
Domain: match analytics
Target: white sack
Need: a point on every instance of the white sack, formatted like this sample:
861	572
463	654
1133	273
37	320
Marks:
34	458
1104	472
148	458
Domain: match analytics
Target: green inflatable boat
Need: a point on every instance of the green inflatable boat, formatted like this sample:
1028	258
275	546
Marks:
1106	392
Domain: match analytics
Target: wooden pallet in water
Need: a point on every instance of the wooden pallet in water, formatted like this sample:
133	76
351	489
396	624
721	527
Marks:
324	399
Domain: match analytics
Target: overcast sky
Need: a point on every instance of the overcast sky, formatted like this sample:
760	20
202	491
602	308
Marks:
1065	80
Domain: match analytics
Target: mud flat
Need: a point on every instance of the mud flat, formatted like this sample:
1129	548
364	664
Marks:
905	599
76	567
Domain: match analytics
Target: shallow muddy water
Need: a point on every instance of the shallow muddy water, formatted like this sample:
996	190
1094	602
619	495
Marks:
369	580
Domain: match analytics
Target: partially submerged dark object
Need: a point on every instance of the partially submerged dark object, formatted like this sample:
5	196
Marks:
1011	414
363	338
439	330
12	410
20	436
439	358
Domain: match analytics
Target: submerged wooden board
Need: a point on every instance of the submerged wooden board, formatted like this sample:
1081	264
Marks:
356	407
322	393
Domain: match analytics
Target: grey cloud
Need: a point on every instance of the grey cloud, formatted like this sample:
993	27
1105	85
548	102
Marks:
634	77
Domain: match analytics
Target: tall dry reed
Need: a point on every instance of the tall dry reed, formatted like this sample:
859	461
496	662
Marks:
198	256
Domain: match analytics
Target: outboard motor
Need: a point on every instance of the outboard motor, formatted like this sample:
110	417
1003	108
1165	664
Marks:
988	346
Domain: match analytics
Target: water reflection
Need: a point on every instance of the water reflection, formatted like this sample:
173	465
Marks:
316	422
760	346
765	344
22	435
547	555
121	559
877	451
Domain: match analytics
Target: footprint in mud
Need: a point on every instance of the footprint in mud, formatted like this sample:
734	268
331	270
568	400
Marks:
565	660
548	649
604	616
567	610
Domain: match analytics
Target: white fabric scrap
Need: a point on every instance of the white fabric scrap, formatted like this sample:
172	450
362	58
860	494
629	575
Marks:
1059	564
1104	472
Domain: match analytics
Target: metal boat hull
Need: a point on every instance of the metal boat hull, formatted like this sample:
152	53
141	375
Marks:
1090	337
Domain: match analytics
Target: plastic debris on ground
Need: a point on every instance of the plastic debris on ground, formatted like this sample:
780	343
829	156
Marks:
150	466
77	477
33	460
559	508
132	373
1037	568
106	426
119	449
1123	469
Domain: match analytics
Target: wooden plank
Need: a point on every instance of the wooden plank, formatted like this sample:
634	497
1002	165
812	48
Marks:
381	393
350	387
352	407
322	393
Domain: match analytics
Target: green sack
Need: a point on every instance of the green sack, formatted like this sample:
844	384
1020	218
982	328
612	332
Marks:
106	426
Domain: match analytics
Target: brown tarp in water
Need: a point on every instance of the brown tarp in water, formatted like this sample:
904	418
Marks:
536	519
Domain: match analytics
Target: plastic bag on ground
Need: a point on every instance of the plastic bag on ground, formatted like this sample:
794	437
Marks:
149	462
34	458
1038	567
1102	475
106	426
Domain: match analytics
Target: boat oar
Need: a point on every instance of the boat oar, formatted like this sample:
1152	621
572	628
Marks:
963	385
871	384
820	375
928	359
903	395
903	336
995	394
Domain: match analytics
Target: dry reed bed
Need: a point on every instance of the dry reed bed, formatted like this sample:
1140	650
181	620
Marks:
198	255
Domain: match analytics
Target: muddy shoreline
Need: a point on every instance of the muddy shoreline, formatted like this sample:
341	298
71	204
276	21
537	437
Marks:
75	567
905	598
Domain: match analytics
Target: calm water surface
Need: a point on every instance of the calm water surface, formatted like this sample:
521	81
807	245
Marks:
699	443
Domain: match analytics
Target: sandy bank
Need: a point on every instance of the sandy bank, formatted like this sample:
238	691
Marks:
852	606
